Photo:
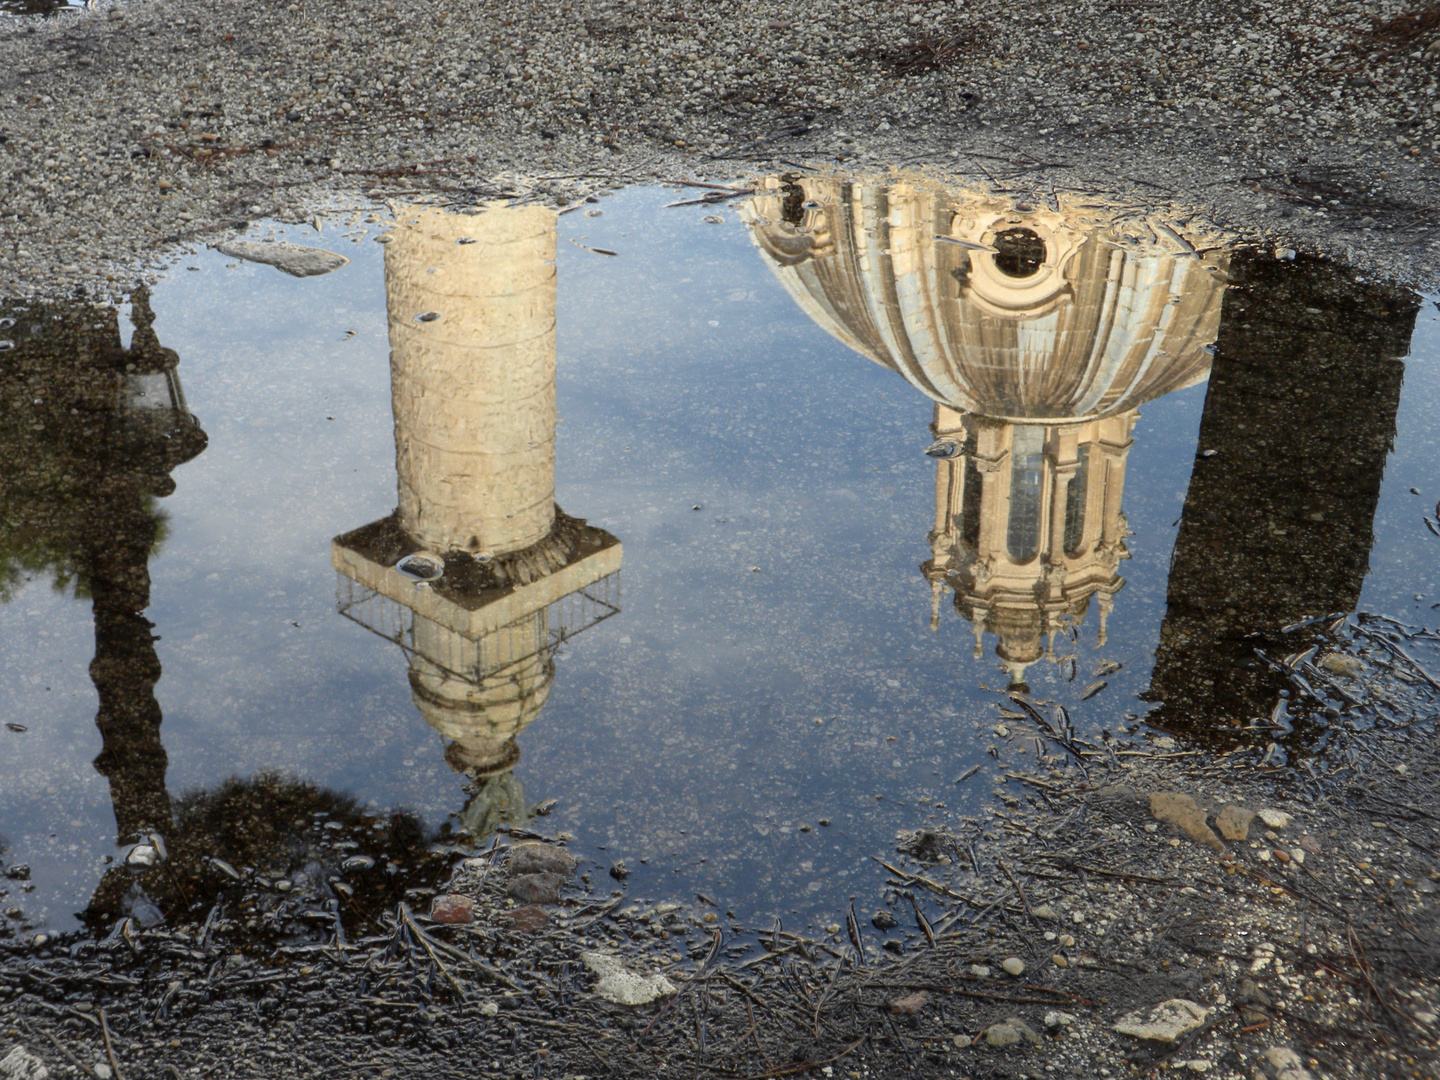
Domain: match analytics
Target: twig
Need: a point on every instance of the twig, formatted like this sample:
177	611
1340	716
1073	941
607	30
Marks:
1001	863
804	1066
110	1049
1359	954
427	942
690	982
921	879
937	988
1122	875
754	1035
1380	639
56	1043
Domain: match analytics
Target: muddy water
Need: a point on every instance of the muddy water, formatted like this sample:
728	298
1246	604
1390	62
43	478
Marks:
620	525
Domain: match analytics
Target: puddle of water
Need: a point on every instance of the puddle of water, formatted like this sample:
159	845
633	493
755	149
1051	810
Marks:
43	8
337	554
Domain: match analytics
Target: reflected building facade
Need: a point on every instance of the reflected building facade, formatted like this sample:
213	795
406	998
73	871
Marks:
1038	332
1278	522
91	431
477	575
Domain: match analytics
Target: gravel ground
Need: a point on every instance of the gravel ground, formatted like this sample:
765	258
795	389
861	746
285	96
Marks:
133	127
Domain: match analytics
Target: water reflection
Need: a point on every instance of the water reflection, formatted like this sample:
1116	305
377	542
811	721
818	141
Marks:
498	575
92	431
1038	330
1299	421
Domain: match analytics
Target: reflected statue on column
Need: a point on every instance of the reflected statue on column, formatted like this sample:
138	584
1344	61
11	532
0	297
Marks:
477	575
1038	329
92	431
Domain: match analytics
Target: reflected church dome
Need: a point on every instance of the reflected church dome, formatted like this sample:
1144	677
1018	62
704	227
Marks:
1022	313
1038	330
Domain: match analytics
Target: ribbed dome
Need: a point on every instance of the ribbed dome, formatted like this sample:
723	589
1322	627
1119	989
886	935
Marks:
1031	314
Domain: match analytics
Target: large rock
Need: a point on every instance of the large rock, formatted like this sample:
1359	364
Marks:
1273	819
1168	1022
1340	664
620	985
292	258
20	1064
1182	811
537	858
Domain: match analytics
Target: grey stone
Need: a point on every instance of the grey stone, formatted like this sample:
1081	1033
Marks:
1009	1032
1340	664
537	858
292	258
536	888
1168	1022
142	856
1273	819
620	985
1282	1063
20	1064
1013	965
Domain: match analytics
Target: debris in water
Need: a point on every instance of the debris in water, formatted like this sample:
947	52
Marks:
142	856
293	259
966	244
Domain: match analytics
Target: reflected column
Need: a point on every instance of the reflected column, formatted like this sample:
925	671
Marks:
477	574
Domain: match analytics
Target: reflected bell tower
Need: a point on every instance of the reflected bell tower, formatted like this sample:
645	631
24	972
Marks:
1038	331
477	575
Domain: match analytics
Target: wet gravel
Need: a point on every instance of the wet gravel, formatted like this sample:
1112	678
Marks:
129	129
1299	928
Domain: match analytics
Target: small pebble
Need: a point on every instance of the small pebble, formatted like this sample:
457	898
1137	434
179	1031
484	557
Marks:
452	908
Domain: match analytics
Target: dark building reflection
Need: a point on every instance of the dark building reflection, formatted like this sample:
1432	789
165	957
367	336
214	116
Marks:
91	432
34	7
1038	330
478	575
1299	418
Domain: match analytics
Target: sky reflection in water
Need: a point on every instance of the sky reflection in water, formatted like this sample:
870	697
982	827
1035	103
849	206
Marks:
796	635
